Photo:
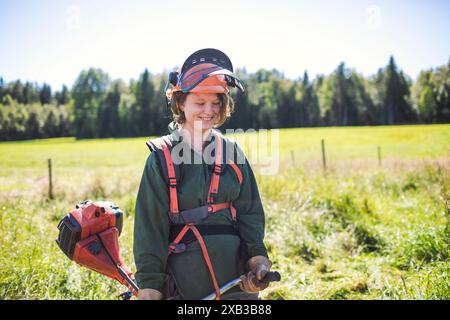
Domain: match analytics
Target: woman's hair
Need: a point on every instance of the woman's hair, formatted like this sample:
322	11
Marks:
226	107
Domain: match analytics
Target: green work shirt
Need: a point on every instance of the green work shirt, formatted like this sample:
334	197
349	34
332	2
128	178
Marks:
228	253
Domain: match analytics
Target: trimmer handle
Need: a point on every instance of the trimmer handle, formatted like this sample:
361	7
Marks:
271	276
126	295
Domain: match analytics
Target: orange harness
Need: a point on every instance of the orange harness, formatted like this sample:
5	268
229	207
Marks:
189	218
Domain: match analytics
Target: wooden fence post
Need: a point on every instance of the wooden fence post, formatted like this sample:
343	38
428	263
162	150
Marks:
50	184
379	157
324	160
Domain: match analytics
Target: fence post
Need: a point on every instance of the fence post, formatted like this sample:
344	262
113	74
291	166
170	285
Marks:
50	184
324	160
379	157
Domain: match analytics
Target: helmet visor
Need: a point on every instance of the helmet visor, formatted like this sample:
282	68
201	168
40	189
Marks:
196	74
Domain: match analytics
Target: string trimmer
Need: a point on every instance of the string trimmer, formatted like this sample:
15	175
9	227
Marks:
89	235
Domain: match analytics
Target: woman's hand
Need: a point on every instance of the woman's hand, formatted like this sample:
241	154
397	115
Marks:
251	282
149	294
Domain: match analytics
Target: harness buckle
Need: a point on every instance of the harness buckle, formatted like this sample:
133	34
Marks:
217	168
177	248
213	198
172	182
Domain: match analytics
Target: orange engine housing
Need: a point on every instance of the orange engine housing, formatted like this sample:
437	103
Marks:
89	235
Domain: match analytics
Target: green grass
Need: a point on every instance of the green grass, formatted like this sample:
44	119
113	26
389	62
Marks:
353	237
358	232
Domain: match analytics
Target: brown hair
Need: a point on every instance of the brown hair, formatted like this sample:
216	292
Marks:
226	107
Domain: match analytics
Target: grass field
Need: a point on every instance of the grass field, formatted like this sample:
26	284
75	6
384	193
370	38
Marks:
360	231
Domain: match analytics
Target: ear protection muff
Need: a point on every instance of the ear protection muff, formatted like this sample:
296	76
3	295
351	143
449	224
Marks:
173	78
230	81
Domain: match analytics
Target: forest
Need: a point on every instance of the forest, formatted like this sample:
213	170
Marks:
96	106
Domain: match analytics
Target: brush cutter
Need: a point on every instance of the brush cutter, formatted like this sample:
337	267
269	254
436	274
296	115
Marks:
89	235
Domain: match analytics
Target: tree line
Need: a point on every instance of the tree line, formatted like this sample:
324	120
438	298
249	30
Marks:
97	106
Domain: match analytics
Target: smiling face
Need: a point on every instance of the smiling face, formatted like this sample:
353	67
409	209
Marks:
199	107
201	110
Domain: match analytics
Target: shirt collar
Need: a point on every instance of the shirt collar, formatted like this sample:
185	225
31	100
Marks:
176	137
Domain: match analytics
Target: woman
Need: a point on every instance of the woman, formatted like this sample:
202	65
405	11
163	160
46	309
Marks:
179	258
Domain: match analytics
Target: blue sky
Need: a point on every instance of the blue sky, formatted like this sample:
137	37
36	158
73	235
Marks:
52	41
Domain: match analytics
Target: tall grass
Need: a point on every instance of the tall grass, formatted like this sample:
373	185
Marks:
360	235
358	232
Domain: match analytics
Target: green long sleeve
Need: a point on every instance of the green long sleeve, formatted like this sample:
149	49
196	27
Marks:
250	213
151	227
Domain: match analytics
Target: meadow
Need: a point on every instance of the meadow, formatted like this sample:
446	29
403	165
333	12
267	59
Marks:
359	230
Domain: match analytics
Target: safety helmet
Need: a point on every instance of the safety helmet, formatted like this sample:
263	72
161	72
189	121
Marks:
205	71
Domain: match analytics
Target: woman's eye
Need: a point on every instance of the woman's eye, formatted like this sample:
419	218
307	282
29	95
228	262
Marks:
215	104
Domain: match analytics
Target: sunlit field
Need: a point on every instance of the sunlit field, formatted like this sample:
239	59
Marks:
363	228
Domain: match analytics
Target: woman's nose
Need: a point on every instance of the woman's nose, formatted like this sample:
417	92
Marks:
209	108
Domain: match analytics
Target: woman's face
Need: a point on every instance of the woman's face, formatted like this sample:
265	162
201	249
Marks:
201	110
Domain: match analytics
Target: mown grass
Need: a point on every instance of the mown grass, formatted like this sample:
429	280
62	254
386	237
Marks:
356	232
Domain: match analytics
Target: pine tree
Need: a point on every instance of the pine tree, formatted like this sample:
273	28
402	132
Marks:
396	92
2	89
17	91
442	93
343	110
88	93
145	116
108	113
62	97
45	95
309	104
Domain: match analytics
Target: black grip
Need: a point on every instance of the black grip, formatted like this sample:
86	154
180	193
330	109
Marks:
126	295
271	276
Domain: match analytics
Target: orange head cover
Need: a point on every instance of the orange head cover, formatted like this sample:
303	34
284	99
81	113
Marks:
204	71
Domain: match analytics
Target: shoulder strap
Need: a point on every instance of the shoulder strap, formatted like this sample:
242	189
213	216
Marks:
155	146
227	157
162	147
218	162
236	169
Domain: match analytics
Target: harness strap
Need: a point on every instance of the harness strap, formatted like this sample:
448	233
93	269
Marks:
233	212
172	177
236	170
178	238
205	230
197	234
214	186
240	178
207	260
221	206
196	215
214	207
